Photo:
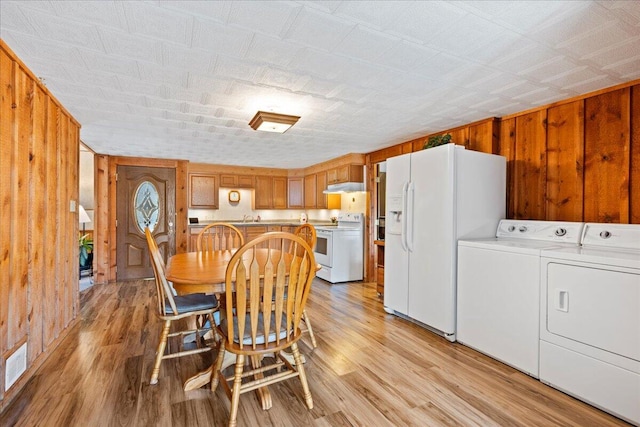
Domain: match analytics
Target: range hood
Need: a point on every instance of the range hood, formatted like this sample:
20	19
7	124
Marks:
345	187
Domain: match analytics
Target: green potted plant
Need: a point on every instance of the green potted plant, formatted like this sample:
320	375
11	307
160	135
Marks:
435	140
86	252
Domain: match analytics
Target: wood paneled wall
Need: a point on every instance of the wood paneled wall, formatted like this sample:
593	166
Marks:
39	264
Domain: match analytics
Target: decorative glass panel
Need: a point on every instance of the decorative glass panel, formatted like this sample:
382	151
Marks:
146	203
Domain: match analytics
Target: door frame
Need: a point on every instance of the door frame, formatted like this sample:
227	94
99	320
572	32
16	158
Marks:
105	243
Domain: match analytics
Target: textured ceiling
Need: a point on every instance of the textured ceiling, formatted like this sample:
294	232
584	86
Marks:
182	79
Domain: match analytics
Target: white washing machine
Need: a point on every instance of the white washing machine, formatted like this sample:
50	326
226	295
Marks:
590	319
499	289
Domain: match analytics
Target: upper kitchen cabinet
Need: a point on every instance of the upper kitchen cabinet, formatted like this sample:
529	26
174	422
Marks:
263	197
280	195
296	193
271	192
321	185
346	173
310	191
203	191
236	181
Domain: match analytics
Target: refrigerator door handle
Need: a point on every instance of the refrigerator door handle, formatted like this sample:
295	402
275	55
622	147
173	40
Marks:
403	218
409	217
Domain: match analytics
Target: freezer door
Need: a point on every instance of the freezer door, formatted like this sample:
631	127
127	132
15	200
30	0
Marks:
396	258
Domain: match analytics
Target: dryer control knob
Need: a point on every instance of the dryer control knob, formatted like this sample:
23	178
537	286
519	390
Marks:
605	234
511	228
561	232
522	229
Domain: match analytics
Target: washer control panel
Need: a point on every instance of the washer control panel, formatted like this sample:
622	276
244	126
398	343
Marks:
553	231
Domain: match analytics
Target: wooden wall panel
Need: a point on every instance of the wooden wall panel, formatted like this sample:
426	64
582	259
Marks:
20	209
483	137
101	253
36	223
460	136
634	187
52	324
7	115
607	161
565	161
507	148
529	172
38	233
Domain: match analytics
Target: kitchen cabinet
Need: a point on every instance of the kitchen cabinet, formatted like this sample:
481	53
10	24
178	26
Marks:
321	185
236	181
310	191
271	192
203	191
379	266
296	193
263	196
193	238
346	173
280	195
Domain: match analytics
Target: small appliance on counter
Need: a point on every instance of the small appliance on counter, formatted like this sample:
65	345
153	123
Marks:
303	218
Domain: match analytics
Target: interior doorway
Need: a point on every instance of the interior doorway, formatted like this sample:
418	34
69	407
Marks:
86	200
145	197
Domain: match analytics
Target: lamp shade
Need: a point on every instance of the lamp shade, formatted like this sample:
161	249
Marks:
83	217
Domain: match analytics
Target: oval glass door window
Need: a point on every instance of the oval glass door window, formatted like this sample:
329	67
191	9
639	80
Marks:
146	204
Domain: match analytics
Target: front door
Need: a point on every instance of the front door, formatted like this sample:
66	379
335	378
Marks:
146	197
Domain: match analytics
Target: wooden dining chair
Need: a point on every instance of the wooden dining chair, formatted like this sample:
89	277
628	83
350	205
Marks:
308	233
219	236
267	289
171	308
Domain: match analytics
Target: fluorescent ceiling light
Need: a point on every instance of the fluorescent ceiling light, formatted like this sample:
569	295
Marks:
272	122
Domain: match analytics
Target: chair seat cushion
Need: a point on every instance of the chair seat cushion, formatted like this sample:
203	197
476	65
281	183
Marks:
192	302
260	335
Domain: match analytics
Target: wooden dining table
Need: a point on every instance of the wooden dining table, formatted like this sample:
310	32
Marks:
204	272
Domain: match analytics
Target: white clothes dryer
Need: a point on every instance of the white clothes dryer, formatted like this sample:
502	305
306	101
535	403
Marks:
590	319
498	304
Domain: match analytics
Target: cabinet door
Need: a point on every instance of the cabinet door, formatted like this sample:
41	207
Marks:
296	193
332	176
245	181
254	231
263	197
310	191
193	237
321	185
203	191
228	181
279	192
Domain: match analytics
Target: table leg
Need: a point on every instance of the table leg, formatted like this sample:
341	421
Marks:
204	377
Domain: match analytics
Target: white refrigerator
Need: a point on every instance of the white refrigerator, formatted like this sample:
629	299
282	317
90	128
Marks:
435	197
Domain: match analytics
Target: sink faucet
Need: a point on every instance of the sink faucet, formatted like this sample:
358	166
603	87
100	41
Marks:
246	218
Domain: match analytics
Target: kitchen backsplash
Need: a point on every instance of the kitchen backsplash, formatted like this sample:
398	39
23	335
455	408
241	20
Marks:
350	202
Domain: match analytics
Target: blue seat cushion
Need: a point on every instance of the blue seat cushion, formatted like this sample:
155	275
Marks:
191	302
260	337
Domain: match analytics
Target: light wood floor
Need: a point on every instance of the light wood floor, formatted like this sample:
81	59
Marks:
370	369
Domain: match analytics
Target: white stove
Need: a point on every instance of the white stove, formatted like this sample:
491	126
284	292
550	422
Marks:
340	249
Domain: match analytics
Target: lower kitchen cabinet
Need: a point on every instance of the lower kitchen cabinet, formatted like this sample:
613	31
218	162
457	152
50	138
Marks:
193	238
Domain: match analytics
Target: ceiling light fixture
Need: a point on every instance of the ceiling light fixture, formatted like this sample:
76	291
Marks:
272	122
